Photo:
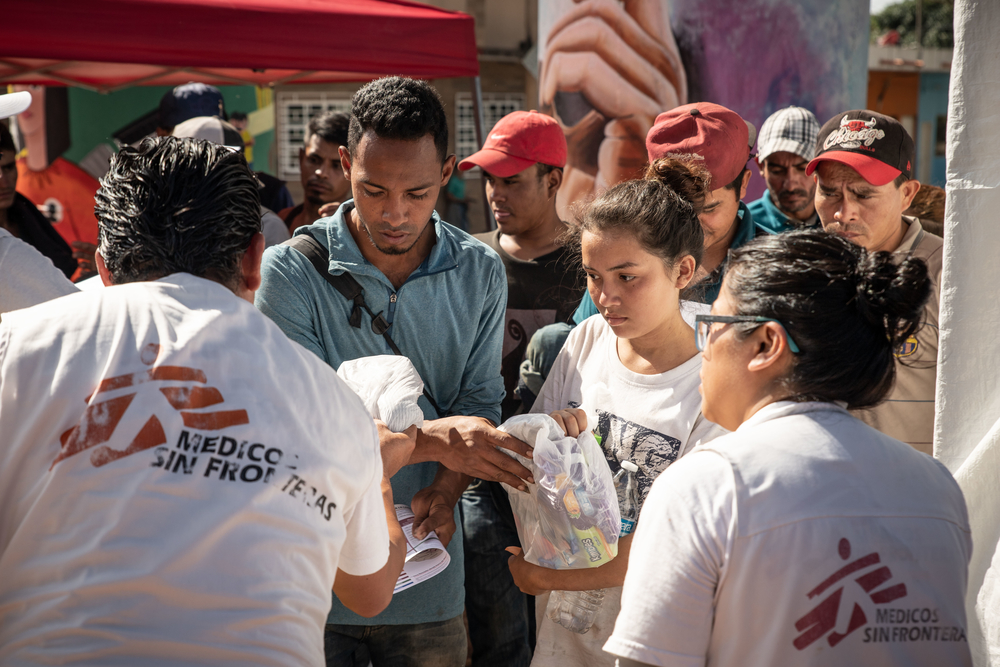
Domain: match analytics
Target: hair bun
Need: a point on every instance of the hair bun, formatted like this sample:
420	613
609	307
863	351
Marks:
688	179
892	295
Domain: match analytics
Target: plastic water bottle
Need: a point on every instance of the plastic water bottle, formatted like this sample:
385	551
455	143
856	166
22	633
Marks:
630	512
577	610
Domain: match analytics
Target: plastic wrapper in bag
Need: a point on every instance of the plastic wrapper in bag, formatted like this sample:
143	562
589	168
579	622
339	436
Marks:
569	518
389	386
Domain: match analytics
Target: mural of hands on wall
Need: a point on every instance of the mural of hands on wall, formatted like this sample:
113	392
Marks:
609	68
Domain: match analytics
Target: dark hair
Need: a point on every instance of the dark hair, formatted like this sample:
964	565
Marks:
6	140
737	182
332	127
899	180
847	309
177	205
396	107
544	170
661	210
237	115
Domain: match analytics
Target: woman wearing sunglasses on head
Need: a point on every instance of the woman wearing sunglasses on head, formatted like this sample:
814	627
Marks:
804	537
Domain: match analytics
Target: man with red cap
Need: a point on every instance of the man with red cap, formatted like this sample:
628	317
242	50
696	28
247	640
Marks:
523	160
864	172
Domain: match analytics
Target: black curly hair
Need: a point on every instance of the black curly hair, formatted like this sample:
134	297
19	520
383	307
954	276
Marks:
177	205
397	107
846	308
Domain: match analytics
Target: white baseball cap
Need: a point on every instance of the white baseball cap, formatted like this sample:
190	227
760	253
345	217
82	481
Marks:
210	128
14	103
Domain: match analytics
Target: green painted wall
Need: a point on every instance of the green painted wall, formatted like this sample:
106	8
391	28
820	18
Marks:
94	117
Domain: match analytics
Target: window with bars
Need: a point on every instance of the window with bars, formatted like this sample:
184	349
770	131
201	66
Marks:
294	111
495	107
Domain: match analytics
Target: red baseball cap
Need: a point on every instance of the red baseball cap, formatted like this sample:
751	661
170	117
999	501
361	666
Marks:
714	135
519	140
876	146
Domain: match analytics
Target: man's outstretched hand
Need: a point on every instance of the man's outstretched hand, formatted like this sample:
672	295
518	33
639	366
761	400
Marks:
469	445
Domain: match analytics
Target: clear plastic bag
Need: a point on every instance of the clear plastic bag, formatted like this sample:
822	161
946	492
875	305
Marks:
569	518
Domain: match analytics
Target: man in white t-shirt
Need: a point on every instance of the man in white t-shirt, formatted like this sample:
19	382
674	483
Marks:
179	482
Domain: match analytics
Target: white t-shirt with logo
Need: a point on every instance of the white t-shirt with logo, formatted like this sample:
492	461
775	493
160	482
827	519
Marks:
803	538
179	482
650	420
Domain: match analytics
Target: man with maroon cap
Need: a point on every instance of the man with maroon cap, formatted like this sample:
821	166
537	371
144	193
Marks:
864	168
719	140
523	160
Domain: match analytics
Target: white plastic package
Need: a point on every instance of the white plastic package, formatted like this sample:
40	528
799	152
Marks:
569	518
389	386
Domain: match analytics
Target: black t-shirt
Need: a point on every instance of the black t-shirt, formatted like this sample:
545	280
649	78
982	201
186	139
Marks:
540	291
34	229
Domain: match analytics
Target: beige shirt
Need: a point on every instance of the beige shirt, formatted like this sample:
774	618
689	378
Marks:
908	412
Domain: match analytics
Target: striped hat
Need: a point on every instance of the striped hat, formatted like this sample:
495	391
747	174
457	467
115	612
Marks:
791	130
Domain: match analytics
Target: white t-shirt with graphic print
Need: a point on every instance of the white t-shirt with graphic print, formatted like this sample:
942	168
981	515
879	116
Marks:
179	482
650	420
817	541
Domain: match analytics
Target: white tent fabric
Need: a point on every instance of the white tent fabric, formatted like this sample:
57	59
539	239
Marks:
967	426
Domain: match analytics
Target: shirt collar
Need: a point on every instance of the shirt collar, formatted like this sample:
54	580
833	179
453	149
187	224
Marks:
346	256
912	236
780	409
777	214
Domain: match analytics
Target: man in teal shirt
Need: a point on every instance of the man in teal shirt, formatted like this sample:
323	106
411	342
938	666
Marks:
442	295
785	146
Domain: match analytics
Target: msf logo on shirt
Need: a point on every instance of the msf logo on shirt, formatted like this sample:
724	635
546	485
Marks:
184	393
822	619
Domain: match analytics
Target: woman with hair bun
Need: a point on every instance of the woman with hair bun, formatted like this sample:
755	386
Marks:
634	366
805	537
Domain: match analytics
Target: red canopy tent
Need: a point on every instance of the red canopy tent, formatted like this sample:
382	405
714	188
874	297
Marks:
105	45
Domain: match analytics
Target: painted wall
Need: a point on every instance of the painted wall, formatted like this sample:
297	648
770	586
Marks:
94	117
932	117
753	56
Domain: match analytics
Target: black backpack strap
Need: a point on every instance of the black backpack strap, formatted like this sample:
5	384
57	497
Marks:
352	290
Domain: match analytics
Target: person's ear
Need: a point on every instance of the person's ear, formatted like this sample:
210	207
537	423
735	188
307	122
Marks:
746	182
345	161
685	268
553	182
772	354
102	269
908	191
447	169
250	268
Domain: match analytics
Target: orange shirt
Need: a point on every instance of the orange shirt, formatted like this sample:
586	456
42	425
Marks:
64	194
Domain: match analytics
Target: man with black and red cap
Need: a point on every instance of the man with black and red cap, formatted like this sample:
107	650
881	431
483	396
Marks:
864	172
523	160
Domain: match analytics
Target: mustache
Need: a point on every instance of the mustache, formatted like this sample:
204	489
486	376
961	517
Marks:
799	192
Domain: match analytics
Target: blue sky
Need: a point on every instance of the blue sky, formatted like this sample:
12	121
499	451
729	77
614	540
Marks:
879	5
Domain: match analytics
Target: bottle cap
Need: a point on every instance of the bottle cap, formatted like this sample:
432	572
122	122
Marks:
631	467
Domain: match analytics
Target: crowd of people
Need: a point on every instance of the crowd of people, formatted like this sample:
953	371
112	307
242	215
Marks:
767	368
